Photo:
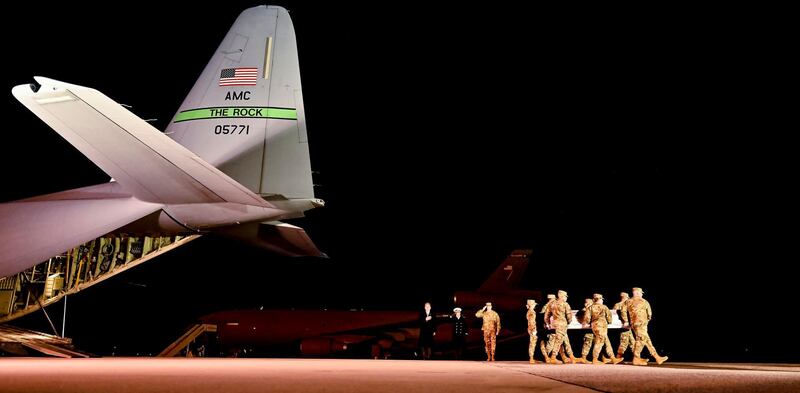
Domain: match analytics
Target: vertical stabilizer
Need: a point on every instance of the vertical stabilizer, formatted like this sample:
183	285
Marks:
509	274
245	115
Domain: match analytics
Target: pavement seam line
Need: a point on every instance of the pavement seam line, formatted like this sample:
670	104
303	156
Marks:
552	379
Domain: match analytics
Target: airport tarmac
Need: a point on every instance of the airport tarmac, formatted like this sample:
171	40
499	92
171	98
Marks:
333	375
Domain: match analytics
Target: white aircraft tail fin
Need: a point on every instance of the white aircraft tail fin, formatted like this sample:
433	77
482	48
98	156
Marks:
245	114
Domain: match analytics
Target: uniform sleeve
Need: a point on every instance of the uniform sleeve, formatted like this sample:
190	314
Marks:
546	320
498	322
649	311
568	313
624	313
479	314
587	316
608	315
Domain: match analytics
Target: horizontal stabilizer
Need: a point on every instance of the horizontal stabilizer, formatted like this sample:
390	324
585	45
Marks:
138	156
276	236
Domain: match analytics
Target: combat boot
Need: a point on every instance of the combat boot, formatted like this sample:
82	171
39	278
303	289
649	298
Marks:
533	361
637	361
554	360
660	359
597	362
572	359
617	360
582	360
606	360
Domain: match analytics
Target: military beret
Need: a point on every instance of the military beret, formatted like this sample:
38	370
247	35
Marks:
562	292
638	289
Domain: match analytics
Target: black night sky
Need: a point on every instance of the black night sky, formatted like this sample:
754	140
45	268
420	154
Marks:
626	149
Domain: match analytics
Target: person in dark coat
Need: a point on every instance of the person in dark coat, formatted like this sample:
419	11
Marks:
460	332
427	330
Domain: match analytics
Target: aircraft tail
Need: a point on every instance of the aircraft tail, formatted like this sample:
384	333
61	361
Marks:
245	114
509	274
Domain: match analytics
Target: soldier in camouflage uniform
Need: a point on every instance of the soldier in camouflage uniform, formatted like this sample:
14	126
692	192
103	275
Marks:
583	317
551	337
599	318
638	315
626	338
531	317
562	315
491	328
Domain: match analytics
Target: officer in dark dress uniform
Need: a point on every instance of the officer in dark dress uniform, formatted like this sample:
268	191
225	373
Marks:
460	332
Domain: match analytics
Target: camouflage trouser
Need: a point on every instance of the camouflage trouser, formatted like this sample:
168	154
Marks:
588	339
548	347
561	338
625	340
532	344
490	339
600	340
642	340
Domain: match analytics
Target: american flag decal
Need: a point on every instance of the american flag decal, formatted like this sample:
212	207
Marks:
238	76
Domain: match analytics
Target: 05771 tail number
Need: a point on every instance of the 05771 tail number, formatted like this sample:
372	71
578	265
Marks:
231	129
